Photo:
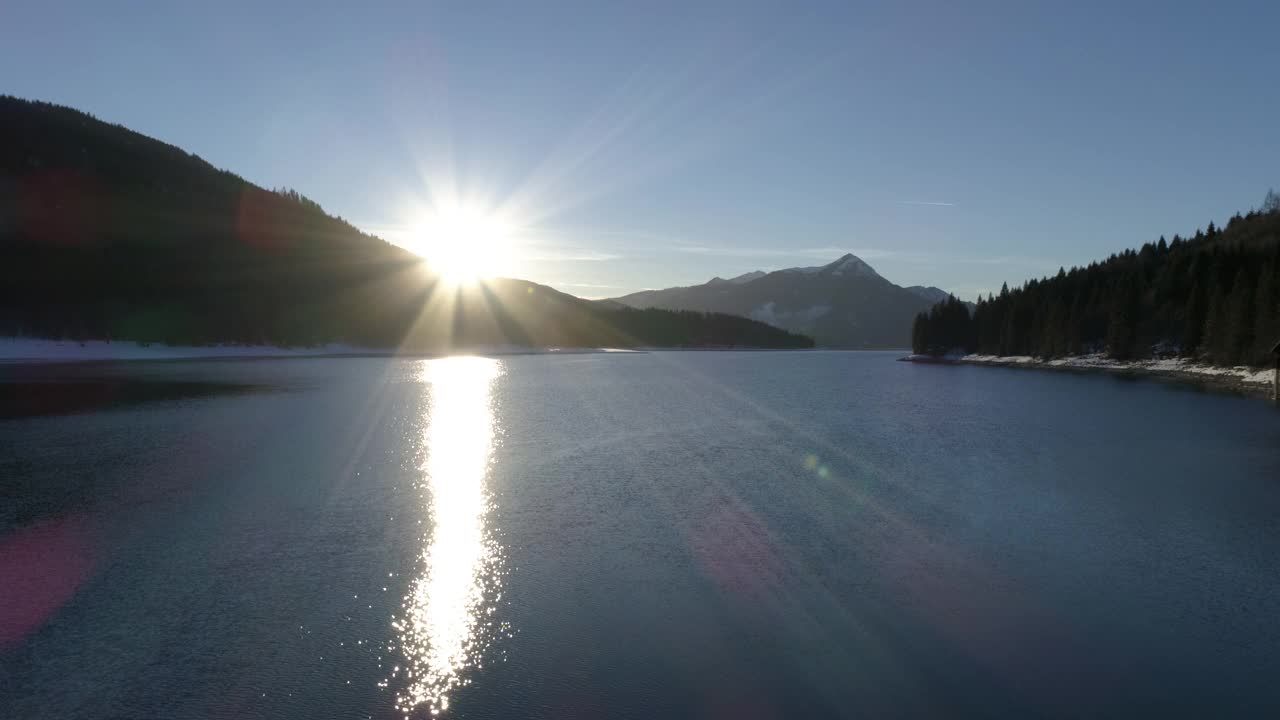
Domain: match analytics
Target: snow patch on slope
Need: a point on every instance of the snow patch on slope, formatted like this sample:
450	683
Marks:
850	264
932	294
747	277
739	280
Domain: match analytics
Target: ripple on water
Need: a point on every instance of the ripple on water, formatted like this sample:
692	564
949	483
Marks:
448	614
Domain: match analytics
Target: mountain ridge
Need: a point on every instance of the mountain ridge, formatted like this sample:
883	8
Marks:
109	234
845	303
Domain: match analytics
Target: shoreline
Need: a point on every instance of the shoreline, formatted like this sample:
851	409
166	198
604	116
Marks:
38	351
43	351
1252	382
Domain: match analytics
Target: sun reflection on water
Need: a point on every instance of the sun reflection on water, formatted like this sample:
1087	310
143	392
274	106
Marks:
448	614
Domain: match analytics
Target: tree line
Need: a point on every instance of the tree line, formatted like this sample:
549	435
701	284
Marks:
108	234
1214	297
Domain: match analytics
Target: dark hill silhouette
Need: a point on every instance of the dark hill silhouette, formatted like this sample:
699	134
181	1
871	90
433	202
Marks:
106	233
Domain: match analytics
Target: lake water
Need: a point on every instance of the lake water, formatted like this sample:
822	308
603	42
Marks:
719	535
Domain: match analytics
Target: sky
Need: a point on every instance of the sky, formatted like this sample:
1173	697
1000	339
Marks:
639	145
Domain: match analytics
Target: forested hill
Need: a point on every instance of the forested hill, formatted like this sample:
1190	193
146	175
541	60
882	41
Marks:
1214	296
108	234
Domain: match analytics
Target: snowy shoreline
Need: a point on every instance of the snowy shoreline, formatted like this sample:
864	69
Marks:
37	350
1246	380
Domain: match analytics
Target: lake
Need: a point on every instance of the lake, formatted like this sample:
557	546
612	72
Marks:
668	534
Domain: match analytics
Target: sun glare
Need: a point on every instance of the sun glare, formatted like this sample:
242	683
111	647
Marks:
463	244
448	621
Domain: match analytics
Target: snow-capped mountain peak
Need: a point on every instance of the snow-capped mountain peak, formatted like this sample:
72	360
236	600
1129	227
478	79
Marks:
849	264
844	303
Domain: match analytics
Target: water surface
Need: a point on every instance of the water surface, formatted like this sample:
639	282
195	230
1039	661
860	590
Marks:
649	535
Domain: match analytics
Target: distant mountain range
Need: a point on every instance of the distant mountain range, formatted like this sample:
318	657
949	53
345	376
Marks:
844	304
109	234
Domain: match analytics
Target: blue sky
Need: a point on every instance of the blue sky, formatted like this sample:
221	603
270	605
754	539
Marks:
635	145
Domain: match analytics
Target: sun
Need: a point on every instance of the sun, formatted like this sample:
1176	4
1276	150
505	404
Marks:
463	243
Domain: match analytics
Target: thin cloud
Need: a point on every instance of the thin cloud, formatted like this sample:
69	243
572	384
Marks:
917	257
749	252
931	203
569	256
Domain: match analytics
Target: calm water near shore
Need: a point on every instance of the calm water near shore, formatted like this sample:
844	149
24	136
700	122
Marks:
727	534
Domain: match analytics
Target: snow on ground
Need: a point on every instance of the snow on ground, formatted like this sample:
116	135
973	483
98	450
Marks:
1001	359
43	350
1099	361
15	350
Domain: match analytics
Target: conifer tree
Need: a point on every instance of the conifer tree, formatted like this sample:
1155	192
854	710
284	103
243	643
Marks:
1240	317
1215	296
1214	341
1122	327
1271	203
1265	331
1194	320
